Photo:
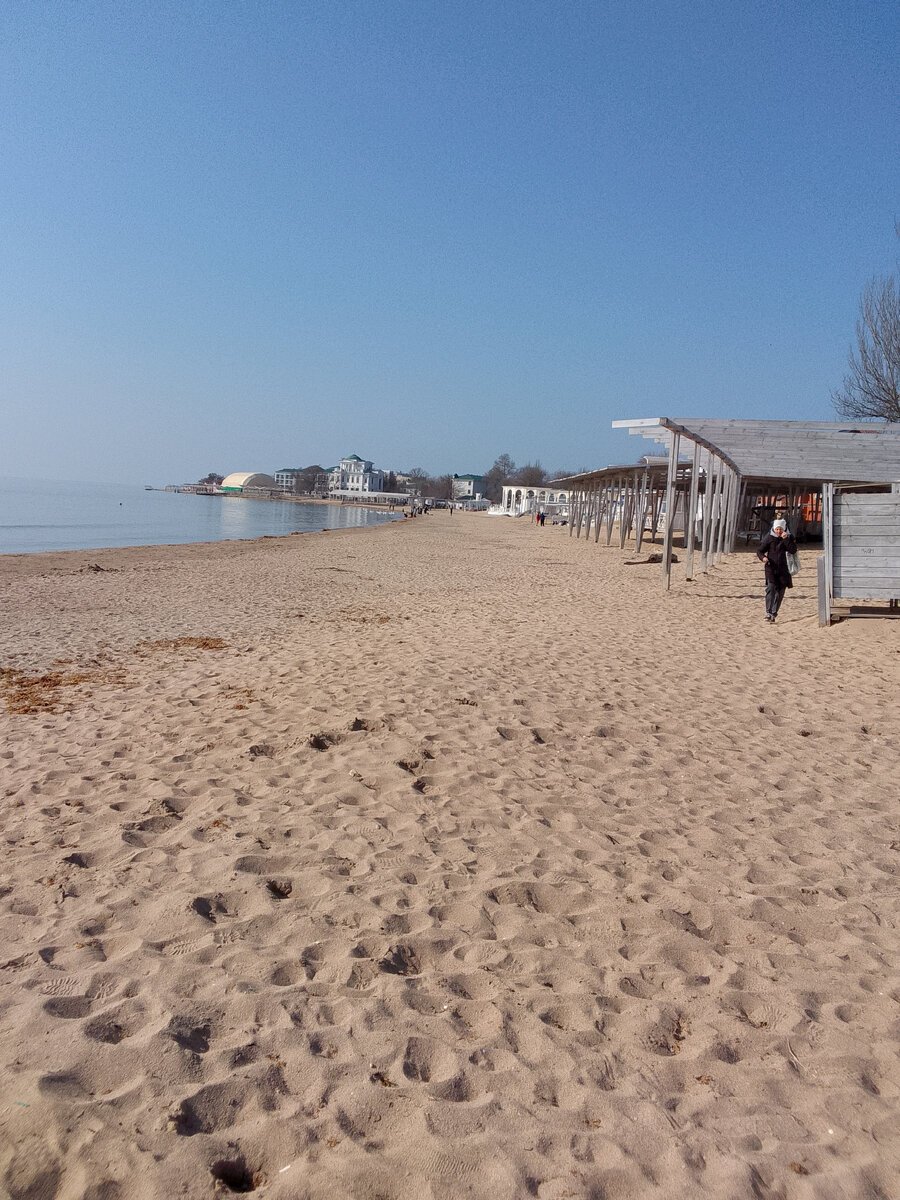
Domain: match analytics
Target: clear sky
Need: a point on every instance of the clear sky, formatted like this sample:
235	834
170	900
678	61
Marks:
244	235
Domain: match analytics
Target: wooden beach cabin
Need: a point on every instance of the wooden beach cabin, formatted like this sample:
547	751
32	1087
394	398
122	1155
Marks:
721	479
861	537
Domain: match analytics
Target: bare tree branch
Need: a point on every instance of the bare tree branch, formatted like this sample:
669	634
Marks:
871	387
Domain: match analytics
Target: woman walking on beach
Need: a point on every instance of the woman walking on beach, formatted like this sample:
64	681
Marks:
773	551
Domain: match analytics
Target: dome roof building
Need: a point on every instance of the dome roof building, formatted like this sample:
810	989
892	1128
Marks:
241	481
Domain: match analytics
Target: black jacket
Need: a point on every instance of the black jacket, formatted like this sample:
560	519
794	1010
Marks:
777	549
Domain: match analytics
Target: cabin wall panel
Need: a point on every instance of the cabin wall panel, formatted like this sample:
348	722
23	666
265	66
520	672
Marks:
866	546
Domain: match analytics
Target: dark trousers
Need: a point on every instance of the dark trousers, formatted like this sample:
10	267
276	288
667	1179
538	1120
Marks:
774	596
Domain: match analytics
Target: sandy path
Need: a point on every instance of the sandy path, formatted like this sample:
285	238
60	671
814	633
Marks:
470	864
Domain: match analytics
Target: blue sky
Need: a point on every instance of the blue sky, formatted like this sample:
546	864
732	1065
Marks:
241	236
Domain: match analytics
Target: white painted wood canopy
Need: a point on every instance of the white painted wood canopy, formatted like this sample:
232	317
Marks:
839	452
721	476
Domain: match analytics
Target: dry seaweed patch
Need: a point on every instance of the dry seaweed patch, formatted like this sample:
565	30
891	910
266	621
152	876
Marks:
365	616
24	694
184	643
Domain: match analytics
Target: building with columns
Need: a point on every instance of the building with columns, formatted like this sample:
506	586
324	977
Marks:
355	474
518	499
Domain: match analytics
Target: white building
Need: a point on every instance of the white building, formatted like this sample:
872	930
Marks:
287	478
355	474
519	499
468	487
241	482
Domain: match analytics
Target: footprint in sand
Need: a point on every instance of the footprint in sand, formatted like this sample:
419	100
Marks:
111	1027
188	1033
427	1060
68	1007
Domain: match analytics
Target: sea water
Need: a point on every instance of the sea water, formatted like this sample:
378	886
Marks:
52	515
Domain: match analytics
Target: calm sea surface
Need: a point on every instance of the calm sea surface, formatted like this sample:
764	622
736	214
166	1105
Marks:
37	515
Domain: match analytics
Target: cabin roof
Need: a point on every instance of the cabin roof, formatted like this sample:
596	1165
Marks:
798	451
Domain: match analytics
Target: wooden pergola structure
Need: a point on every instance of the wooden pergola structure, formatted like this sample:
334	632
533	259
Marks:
716	473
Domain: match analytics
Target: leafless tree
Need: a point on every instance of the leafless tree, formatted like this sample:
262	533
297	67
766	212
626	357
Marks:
871	387
501	472
440	487
531	475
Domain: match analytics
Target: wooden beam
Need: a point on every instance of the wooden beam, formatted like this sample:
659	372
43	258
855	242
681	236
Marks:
720	522
827	539
691	517
642	513
670	511
728	479
611	510
708	505
601	511
738	511
625	513
656	508
822	591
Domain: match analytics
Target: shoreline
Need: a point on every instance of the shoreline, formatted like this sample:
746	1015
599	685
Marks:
9	560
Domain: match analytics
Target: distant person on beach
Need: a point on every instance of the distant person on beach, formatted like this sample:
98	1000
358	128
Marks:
773	551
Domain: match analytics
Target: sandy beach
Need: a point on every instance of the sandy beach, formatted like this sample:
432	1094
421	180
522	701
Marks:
451	858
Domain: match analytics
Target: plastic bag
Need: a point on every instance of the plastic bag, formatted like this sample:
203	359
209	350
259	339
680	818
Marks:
793	563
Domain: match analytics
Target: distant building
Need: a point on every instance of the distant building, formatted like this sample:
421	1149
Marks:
355	474
287	478
468	487
247	481
519	499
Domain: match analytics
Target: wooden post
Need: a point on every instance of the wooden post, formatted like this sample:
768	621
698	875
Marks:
642	512
714	530
709	488
727	485
691	518
822	588
730	492
601	512
738	510
656	501
727	510
635	499
613	510
827	539
670	513
716	547
625	514
638	502
579	511
623	505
